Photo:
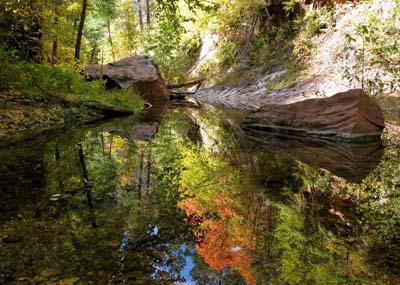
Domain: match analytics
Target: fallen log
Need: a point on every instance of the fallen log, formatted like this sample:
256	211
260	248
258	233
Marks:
180	95
185	84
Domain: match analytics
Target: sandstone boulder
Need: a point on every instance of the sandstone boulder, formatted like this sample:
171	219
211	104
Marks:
138	72
349	116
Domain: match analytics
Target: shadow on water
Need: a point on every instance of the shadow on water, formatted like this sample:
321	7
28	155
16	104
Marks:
182	197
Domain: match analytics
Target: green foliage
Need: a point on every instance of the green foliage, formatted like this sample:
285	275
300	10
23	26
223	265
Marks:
308	27
37	79
227	54
375	47
290	5
288	79
173	54
20	28
172	46
380	206
290	242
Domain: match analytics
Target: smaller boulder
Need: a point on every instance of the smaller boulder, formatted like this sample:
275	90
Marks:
349	116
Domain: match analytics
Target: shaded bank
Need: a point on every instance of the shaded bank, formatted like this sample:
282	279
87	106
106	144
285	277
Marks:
23	115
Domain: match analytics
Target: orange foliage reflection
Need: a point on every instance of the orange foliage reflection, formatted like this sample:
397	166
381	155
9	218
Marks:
225	240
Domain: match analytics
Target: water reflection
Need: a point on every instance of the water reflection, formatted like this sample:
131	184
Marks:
351	161
194	203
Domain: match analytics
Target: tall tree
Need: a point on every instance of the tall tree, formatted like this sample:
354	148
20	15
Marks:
140	11
110	38
21	28
148	13
94	49
105	12
55	39
80	30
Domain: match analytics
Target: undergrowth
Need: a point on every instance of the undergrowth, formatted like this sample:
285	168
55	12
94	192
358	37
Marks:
374	48
286	80
35	79
287	47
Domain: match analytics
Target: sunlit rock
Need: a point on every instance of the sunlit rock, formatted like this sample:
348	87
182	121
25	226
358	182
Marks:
138	72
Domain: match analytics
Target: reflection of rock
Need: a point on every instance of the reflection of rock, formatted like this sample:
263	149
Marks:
351	161
144	131
142	127
349	115
138	72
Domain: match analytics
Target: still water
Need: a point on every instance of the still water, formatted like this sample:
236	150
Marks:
192	199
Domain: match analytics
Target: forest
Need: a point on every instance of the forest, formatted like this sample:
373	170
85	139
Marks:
200	142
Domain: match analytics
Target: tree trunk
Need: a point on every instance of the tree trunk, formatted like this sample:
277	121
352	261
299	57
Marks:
148	171
55	40
148	13
140	11
111	146
246	49
140	178
102	143
85	176
57	157
93	51
41	42
128	27
80	31
110	39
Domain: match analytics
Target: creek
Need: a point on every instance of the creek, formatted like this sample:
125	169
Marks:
189	198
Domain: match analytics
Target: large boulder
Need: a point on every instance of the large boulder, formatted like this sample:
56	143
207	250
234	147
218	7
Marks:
138	72
350	116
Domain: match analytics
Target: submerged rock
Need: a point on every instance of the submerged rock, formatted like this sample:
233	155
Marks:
350	116
138	72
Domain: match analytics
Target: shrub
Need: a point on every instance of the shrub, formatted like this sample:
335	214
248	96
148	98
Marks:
227	53
376	52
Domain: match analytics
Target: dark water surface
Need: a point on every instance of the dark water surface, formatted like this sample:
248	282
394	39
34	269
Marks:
196	201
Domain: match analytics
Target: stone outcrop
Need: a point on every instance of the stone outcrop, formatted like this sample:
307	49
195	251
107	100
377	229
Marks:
350	116
138	72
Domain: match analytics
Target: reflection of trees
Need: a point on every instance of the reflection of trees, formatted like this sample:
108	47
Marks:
253	216
307	230
60	241
380	208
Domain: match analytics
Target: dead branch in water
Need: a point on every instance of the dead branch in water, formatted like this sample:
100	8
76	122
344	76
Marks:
185	84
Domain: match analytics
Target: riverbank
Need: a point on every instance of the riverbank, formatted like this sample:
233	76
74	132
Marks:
23	113
36	97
